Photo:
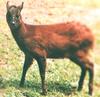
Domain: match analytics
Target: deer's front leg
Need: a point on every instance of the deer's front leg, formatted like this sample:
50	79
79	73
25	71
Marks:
42	69
27	63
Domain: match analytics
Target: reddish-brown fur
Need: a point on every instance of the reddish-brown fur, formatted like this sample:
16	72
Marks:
66	40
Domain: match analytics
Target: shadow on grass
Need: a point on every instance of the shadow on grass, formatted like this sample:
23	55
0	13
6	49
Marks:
61	87
4	84
15	83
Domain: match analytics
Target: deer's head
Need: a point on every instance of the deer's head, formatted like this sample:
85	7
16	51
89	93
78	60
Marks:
14	15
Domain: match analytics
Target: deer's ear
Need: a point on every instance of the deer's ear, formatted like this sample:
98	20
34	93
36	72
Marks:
21	6
7	5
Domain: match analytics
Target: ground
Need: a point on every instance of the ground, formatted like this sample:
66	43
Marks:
62	75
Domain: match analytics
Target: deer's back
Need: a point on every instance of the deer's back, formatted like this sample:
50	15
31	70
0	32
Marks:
56	40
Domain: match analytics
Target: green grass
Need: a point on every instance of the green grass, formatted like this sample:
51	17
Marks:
59	79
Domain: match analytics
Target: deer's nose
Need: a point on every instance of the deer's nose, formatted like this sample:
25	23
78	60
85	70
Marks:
13	22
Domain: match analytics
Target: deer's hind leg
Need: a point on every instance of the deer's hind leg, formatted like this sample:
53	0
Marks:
82	65
90	68
85	63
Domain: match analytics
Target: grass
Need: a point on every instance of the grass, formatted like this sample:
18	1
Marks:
62	75
60	82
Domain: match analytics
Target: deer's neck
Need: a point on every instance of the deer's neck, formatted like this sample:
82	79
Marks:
21	31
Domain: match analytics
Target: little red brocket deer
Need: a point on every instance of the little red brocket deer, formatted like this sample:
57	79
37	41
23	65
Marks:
64	40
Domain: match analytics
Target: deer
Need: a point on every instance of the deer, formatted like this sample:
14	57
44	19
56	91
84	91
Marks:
71	40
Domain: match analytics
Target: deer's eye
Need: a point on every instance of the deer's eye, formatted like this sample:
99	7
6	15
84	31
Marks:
10	16
17	16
